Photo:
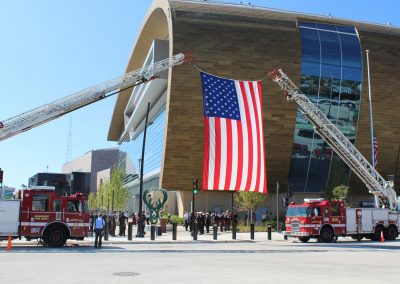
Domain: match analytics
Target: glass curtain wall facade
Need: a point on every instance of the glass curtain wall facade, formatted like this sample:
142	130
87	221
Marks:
131	152
331	77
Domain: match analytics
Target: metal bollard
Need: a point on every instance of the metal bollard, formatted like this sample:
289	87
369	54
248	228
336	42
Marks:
174	231
233	231
252	231
130	231
153	232
269	232
215	232
195	232
106	232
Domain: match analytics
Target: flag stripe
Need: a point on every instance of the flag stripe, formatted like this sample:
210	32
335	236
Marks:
254	138
206	153
249	121
223	151
258	144
228	154
263	177
239	171
217	149
211	154
235	155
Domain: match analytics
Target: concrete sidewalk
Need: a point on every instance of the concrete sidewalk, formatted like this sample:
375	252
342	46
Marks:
182	237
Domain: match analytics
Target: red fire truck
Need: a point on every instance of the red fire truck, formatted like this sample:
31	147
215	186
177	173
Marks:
41	213
326	220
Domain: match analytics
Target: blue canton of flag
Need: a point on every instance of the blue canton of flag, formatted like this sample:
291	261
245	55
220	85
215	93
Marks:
220	97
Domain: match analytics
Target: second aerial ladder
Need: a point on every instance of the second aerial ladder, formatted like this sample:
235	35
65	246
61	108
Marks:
385	196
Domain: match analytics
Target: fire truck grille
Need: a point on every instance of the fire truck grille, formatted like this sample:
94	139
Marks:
295	226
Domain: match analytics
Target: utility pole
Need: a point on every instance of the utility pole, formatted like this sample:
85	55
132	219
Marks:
277	206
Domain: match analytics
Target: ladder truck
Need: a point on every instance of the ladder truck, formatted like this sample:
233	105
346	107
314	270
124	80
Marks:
326	220
40	213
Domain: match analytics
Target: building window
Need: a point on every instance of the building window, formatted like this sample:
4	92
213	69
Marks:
132	151
331	77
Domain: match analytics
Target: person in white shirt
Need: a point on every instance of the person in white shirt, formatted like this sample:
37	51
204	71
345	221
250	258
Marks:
98	229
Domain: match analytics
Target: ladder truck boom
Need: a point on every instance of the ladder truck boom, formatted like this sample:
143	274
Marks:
383	190
50	111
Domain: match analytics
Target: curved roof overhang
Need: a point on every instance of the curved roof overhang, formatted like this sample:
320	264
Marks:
157	25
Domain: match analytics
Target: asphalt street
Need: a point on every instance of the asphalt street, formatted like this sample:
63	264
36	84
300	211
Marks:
202	261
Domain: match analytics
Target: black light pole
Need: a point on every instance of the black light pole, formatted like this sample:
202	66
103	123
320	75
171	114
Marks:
112	205
140	232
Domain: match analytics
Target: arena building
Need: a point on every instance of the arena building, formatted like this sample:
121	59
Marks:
324	56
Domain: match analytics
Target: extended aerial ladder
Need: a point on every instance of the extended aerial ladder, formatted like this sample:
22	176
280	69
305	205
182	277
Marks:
48	112
383	190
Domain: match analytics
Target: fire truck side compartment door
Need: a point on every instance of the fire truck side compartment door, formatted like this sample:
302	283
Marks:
9	217
367	220
351	221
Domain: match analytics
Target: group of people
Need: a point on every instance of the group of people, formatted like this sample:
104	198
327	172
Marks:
223	220
100	222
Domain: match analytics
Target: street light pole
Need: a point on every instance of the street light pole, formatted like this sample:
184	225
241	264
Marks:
112	205
140	232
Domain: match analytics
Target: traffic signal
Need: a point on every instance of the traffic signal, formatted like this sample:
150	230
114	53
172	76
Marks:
1	178
195	185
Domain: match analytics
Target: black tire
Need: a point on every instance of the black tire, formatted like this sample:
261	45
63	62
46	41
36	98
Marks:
391	233
376	236
304	239
357	237
55	237
327	234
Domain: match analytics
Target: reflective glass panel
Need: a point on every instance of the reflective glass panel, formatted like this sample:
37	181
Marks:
331	76
132	151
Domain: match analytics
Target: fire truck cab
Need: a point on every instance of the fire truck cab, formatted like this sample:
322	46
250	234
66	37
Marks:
316	218
42	214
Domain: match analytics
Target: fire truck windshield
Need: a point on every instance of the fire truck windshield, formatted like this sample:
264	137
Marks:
298	211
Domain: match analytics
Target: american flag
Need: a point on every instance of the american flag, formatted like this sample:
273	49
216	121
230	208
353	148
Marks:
233	135
375	152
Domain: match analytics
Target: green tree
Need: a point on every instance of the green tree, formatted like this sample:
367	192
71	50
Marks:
101	196
121	193
92	201
249	201
340	192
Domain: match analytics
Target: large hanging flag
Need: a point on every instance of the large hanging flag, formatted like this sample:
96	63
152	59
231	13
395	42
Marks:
375	152
233	135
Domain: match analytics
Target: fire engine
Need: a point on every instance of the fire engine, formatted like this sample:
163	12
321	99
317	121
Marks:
325	220
41	213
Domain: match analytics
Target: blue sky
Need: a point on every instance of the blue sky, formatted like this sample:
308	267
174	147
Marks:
50	49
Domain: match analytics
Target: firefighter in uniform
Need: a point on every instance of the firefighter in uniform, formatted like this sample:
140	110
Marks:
98	229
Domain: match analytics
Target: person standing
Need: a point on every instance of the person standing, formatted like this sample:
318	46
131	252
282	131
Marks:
208	221
186	217
122	224
98	229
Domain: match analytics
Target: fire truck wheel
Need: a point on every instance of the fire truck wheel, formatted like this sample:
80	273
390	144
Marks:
55	236
376	236
304	239
327	234
391	233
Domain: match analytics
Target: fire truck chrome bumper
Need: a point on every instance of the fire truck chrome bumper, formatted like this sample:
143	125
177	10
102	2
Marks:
296	234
